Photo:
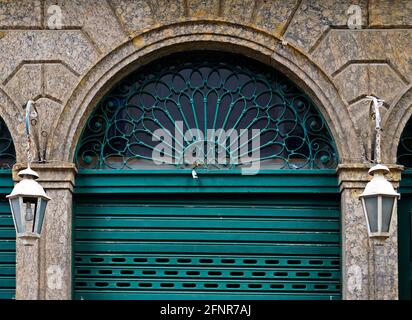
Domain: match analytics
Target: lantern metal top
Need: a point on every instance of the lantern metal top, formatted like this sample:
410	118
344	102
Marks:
28	187
29	173
379	185
378	168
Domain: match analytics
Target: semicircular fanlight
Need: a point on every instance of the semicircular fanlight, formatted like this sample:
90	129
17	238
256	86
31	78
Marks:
7	151
206	109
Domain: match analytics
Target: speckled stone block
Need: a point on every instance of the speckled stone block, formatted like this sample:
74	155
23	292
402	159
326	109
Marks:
95	17
71	47
135	15
48	111
341	47
272	16
390	13
59	81
360	79
56	250
175	11
203	8
238	10
314	18
20	14
25	84
27	271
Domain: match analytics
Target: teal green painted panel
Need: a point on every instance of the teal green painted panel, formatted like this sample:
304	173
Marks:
207	246
405	240
405	236
181	181
7	251
6	185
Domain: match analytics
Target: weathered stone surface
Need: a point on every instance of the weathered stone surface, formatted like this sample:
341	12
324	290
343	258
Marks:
71	47
48	111
359	112
313	18
203	8
95	17
59	81
387	13
26	84
360	79
340	47
238	10
175	10
135	15
56	250
272	16
20	14
27	271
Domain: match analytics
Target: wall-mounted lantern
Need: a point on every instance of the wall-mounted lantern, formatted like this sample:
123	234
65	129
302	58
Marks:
379	197
28	199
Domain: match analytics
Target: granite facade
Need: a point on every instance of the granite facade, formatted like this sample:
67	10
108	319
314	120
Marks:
67	67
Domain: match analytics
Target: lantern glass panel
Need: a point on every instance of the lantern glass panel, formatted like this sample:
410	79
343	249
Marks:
39	217
16	206
371	204
387	208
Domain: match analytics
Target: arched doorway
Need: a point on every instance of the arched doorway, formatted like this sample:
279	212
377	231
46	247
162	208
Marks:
404	157
146	228
7	232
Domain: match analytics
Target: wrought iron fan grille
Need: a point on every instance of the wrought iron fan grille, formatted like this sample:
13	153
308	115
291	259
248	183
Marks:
7	152
223	110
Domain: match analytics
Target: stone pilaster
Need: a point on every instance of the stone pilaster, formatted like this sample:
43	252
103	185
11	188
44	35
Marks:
44	270
369	267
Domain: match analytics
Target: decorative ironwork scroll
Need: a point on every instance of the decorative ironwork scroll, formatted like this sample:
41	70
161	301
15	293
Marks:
7	151
405	146
210	102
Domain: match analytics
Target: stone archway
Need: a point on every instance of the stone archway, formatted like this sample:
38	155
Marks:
158	42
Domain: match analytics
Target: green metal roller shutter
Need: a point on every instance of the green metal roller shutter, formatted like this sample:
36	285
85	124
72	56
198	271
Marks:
210	246
7	251
405	236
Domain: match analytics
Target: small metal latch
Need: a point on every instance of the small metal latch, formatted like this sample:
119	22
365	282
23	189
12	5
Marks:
194	173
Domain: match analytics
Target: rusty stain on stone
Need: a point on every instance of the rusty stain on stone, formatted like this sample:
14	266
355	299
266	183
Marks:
138	41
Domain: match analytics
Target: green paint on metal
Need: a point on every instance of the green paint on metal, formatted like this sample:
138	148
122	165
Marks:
405	236
207	246
7	152
225	181
206	91
7	232
7	240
